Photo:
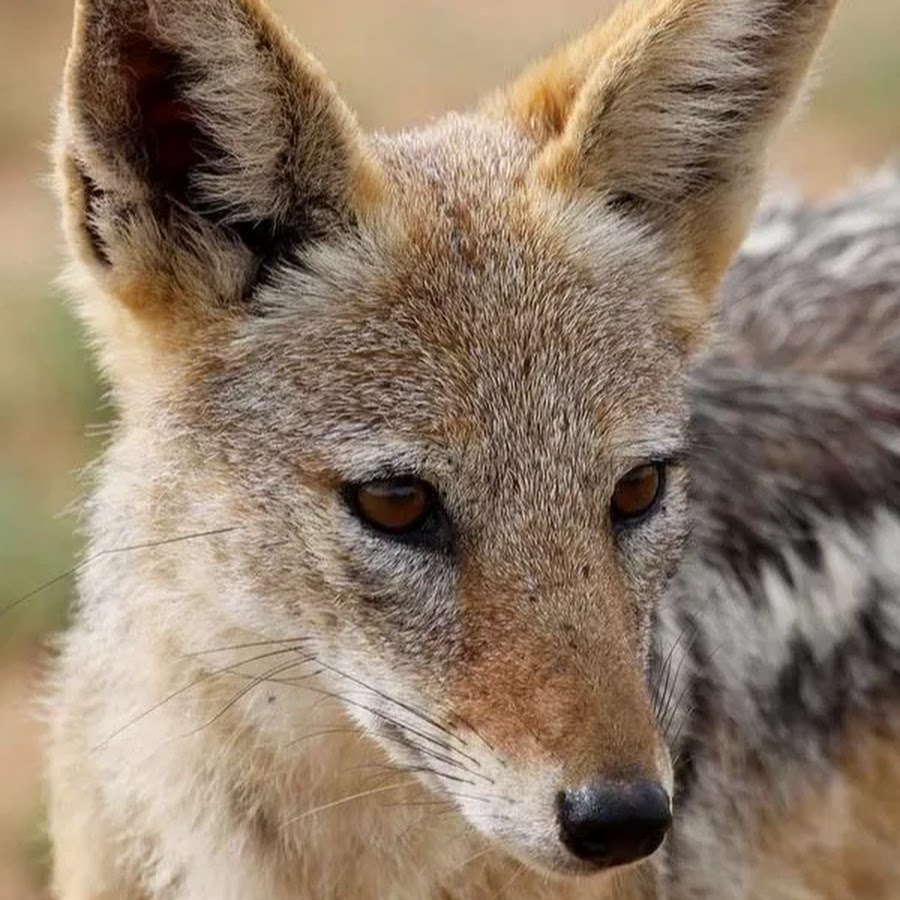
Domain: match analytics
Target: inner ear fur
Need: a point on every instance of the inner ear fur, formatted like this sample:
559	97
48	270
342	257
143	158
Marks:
199	143
664	112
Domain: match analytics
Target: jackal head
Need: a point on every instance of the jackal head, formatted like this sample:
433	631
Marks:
433	383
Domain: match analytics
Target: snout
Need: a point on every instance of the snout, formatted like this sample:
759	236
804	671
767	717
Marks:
613	823
580	769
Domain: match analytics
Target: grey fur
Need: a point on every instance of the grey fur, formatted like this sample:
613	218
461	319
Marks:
504	303
787	607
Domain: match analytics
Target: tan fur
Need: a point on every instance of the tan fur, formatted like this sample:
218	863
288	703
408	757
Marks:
581	103
170	291
818	833
504	302
832	841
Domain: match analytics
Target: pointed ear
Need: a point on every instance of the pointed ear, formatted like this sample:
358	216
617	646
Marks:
198	143
665	111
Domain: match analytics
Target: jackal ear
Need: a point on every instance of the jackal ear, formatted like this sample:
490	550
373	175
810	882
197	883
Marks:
665	111
197	145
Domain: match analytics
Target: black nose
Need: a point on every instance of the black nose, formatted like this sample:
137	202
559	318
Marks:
614	823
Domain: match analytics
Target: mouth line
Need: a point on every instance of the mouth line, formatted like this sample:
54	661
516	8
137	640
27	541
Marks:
572	869
553	860
556	863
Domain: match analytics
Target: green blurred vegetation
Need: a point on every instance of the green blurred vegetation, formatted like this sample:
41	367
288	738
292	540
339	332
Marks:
45	408
398	61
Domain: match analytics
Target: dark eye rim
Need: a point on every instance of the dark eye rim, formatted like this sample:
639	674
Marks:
621	520
425	530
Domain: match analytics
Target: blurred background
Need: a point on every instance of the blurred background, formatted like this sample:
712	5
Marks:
399	62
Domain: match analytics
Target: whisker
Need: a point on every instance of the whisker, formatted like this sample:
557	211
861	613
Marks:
509	883
328	731
430	754
660	687
670	719
415	804
250	645
455	778
664	698
357	796
425	751
468	828
408	708
440	757
448	760
676	738
110	551
256	682
350	701
471	859
670	708
430	720
456	796
420	769
481	738
206	676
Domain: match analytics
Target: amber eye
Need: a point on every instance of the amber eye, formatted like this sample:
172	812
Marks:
394	505
636	494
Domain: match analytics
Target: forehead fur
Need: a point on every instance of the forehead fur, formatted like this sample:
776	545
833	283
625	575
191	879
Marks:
472	280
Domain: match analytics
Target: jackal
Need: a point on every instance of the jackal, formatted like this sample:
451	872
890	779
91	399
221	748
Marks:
397	587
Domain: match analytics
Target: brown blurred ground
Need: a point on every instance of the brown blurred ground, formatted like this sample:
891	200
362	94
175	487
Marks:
398	61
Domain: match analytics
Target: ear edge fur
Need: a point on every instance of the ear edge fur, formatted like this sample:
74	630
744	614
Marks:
702	203
95	177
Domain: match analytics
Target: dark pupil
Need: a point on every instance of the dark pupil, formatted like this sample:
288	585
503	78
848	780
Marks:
393	506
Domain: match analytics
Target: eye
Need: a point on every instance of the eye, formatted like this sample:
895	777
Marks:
637	493
395	506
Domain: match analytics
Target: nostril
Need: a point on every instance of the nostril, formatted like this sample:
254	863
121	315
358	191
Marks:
614	823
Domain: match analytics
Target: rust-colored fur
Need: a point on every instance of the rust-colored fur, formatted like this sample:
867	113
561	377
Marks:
265	698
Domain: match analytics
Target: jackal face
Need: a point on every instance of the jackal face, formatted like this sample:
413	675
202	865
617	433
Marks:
434	381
